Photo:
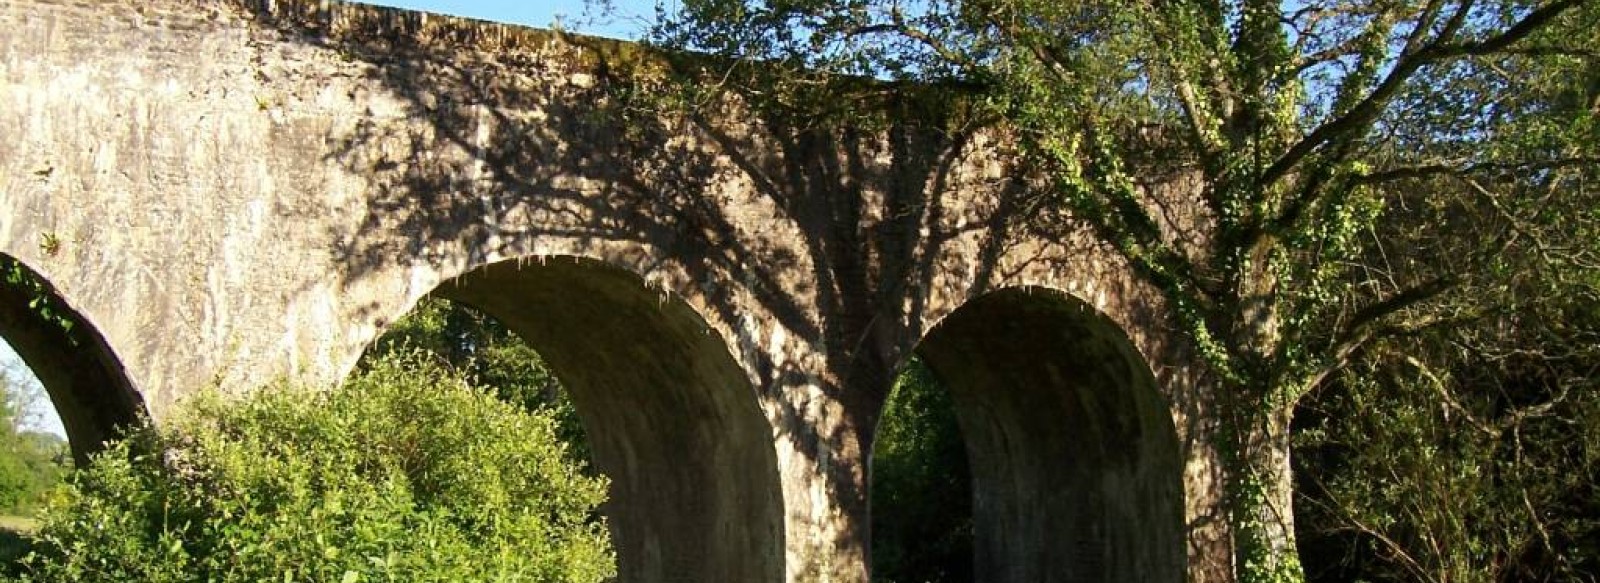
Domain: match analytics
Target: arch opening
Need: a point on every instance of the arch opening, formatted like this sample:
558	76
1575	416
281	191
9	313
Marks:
1076	473
34	454
84	380
667	413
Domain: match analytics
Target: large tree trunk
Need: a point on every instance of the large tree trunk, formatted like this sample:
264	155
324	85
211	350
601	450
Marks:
1261	482
1262	489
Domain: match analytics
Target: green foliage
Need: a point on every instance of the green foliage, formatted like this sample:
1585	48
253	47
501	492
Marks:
487	355
1464	448
921	486
405	473
22	282
30	462
1455	482
1469	453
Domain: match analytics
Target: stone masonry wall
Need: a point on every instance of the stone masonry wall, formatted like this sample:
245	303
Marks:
240	191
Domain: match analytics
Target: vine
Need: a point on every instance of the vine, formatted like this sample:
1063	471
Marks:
42	300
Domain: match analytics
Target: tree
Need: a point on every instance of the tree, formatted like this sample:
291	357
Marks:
30	462
1301	126
1470	452
921	486
16	483
1462	454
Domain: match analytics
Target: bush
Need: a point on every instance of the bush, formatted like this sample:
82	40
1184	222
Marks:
403	474
488	355
1465	454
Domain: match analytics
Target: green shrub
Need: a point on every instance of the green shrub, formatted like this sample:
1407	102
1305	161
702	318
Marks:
488	355
403	474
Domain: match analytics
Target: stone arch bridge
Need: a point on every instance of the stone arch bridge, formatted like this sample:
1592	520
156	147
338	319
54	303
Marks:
235	191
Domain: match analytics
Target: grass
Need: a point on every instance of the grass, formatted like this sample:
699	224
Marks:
16	534
18	524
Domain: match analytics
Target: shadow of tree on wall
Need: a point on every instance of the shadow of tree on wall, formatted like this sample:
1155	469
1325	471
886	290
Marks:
835	231
582	162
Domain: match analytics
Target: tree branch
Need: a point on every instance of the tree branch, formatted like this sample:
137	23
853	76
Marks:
1498	43
1363	327
1398	302
1447	169
1366	111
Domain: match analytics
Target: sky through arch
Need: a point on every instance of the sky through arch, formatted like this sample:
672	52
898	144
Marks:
38	414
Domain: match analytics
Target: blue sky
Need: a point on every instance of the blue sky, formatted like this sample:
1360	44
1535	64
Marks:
39	415
627	18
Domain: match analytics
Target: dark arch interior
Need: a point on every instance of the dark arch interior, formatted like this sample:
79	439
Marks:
85	381
669	415
1075	464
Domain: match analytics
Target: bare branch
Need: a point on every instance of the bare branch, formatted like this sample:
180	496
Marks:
1450	402
1397	303
1450	169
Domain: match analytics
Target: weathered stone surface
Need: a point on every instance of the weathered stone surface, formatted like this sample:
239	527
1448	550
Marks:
244	190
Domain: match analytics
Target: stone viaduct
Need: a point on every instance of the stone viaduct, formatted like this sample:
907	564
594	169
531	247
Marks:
230	192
